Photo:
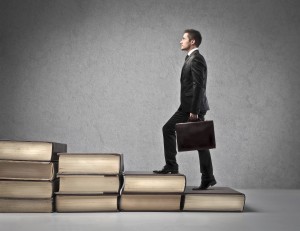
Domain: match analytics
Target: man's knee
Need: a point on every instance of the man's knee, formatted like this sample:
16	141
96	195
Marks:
167	128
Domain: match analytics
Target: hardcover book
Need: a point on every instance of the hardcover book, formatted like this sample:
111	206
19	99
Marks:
30	150
148	182
26	205
27	189
77	184
213	199
27	170
86	203
150	202
90	163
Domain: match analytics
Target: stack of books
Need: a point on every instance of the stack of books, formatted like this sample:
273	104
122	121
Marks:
146	191
33	172
28	175
89	182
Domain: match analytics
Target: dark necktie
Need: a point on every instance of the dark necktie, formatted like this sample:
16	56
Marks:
186	57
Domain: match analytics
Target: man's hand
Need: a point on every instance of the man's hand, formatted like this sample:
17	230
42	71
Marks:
193	117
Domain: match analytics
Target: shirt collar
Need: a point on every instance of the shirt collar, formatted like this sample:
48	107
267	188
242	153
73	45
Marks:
191	51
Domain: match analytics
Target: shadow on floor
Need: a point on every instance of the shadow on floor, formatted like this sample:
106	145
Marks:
248	209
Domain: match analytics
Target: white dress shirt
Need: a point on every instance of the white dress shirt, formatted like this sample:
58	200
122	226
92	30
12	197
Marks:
191	51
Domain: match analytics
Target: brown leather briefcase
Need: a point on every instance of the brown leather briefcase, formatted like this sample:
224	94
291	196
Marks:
195	136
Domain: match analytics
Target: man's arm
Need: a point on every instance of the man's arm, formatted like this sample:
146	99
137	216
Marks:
198	69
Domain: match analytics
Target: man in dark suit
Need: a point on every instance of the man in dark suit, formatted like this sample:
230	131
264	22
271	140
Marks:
193	106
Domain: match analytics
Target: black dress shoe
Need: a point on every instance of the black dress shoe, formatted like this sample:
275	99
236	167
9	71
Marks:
166	170
205	184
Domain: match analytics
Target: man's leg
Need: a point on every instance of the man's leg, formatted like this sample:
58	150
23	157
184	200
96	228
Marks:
206	168
170	139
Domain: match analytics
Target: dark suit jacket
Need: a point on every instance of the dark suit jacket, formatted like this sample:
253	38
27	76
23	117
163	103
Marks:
193	84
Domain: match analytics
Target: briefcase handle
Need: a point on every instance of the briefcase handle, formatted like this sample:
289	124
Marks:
197	120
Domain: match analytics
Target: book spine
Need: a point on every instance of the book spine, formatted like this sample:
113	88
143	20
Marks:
182	201
55	186
119	203
244	202
55	169
121	180
57	148
121	164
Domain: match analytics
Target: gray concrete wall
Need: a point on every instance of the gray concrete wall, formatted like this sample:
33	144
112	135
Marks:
103	76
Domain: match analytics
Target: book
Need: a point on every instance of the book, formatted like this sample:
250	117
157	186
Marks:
90	163
86	203
27	189
26	205
148	182
213	199
150	202
77	184
30	150
27	170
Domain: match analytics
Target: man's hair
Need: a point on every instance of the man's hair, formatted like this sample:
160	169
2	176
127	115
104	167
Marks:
194	35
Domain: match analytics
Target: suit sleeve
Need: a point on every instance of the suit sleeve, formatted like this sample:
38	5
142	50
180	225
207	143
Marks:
198	69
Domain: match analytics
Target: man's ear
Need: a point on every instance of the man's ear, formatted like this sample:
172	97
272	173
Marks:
193	41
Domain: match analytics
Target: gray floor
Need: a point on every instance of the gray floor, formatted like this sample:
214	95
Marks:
265	210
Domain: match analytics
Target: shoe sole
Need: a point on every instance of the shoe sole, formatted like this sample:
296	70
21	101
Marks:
211	184
162	173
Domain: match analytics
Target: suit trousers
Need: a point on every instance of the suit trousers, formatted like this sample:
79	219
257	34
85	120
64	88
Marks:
169	135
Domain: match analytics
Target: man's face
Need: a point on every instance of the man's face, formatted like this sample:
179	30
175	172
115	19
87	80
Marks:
185	42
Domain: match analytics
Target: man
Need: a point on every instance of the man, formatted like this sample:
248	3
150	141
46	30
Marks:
193	106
